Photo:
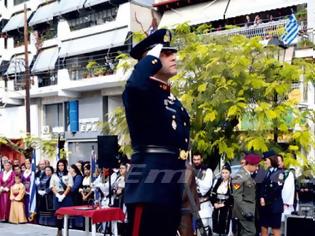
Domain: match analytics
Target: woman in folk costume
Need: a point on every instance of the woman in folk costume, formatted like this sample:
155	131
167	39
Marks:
222	201
17	213
6	181
86	190
46	206
61	183
26	180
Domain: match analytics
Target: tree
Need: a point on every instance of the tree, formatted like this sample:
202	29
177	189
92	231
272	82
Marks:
47	147
227	82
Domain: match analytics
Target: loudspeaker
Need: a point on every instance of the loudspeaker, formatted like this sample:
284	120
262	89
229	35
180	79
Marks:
107	151
299	225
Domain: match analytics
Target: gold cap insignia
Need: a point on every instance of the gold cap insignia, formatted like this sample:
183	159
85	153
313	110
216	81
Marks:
183	155
167	37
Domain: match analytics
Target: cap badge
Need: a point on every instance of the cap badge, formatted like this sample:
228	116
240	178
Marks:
167	37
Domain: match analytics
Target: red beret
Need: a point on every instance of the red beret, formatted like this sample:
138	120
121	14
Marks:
252	159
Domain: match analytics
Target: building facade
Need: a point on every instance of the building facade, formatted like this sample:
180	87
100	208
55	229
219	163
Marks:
72	47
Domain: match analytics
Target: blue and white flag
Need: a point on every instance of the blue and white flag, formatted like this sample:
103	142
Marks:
291	30
32	201
58	150
93	163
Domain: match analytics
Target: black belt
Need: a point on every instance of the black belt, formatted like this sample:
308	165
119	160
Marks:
156	149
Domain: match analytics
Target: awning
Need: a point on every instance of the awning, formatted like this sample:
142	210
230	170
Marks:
17	64
90	3
96	42
66	6
45	60
15	22
195	14
44	13
4	66
246	7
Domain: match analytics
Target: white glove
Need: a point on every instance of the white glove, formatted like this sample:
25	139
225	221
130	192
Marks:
156	50
41	192
1	189
61	197
37	182
6	189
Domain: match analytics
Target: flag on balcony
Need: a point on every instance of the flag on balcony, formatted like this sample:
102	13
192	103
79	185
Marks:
32	201
291	30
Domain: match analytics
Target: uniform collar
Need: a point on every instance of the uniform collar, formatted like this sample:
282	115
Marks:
162	84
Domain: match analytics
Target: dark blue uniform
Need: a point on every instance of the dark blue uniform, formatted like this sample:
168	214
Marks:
159	131
271	190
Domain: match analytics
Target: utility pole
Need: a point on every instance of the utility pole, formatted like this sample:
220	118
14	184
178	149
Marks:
27	76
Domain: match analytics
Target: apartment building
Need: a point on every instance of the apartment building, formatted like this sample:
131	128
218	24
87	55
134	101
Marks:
72	57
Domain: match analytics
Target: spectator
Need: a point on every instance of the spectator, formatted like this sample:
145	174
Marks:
17	213
204	178
23	168
77	184
45	207
86	190
4	159
222	201
17	170
288	191
257	20
6	181
248	21
61	183
79	164
26	180
16	162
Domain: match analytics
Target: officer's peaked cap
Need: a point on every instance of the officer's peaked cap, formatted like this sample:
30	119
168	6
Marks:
252	158
270	153
161	36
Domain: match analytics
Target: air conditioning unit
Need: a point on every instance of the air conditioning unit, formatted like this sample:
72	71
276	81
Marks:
46	129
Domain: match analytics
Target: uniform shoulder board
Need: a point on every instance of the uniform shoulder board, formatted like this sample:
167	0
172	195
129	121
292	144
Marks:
237	179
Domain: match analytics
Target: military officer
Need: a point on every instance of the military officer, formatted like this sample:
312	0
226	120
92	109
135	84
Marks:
245	196
159	131
270	196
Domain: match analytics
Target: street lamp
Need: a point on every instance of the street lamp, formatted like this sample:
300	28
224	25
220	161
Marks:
284	54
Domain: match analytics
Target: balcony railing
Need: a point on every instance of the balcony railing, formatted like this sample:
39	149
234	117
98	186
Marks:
264	30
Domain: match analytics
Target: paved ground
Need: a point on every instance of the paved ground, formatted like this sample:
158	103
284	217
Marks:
32	230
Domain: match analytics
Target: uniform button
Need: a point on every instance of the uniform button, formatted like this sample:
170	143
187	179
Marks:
182	108
185	124
173	116
186	140
153	62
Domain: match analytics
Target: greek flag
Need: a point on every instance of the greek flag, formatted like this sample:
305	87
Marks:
58	149
32	201
93	163
291	30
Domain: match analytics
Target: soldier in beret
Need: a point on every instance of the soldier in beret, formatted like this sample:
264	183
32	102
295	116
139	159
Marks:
159	131
244	193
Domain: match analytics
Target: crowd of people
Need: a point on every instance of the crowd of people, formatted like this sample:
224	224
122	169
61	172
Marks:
62	186
253	201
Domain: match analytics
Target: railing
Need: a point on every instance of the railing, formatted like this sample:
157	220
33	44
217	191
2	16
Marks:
264	30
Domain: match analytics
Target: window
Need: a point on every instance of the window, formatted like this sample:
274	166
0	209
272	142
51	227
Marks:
54	115
47	78
93	18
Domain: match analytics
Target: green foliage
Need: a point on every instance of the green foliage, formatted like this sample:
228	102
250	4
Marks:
228	79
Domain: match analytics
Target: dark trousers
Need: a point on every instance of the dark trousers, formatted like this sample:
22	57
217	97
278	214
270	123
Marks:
152	220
